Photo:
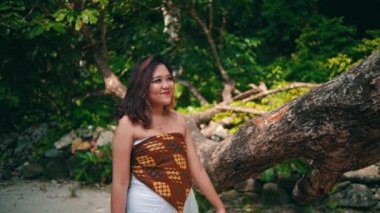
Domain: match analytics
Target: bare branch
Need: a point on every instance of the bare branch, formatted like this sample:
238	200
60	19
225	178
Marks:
229	84
211	15
247	93
122	73
31	10
222	29
100	52
194	91
273	91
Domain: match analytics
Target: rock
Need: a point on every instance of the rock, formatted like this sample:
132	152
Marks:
287	183
99	129
52	153
104	138
18	148
282	209
376	208
5	141
111	127
377	194
229	195
56	169
209	129
65	140
348	210
87	134
340	186
355	196
220	132
31	171
226	121
246	186
370	174
22	147
80	145
274	195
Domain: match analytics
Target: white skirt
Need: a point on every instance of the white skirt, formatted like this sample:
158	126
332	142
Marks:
141	199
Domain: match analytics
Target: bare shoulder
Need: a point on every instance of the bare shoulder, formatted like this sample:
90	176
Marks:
124	122
124	125
178	117
180	120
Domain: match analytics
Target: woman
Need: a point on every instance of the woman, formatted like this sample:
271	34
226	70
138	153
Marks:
154	160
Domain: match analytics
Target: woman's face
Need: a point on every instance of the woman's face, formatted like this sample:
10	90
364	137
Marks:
161	87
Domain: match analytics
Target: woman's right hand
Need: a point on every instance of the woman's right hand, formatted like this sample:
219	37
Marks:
221	210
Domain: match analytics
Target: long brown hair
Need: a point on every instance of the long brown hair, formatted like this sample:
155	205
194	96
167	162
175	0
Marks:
135	103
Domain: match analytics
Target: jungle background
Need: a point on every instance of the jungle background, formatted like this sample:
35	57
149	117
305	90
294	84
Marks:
57	56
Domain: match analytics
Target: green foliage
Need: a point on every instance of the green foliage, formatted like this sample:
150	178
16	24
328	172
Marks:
77	18
324	37
284	170
274	41
240	59
316	48
192	109
281	23
333	207
276	100
203	203
368	45
97	111
267	175
338	64
48	70
94	167
237	118
10	17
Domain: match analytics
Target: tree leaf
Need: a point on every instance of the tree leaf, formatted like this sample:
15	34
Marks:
78	24
60	15
267	175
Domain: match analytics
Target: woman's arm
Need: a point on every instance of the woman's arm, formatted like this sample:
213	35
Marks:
200	176
121	152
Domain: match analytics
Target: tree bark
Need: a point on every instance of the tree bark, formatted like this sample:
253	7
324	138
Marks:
337	126
172	16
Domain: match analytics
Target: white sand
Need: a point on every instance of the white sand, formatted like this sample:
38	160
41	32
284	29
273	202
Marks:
45	197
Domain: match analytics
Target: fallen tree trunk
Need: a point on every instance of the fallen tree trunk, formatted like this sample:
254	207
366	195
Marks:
337	126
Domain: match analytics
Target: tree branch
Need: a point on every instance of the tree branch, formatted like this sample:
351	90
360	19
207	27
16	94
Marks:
332	125
194	91
100	52
211	15
229	84
273	91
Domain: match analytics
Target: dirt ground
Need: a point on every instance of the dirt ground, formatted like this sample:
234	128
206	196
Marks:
44	197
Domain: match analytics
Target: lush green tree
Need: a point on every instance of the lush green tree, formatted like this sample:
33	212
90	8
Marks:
56	55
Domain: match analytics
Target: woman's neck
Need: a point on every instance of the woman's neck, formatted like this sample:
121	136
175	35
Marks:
157	111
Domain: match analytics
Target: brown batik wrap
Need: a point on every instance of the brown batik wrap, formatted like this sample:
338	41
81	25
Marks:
160	162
